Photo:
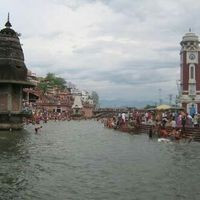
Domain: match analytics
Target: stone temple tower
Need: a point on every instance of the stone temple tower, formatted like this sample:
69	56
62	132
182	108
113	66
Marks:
13	78
190	73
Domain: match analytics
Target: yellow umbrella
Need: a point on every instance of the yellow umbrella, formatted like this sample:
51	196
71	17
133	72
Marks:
163	107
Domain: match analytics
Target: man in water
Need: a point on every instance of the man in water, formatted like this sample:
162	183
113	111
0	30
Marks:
37	128
150	133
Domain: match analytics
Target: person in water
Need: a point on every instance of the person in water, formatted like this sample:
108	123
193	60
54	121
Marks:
150	133
163	133
37	128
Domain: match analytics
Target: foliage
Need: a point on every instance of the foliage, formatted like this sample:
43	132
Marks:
43	87
95	98
52	81
55	81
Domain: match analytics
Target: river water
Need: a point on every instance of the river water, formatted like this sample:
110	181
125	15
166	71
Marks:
82	160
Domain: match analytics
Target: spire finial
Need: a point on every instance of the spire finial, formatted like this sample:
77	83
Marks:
8	24
190	30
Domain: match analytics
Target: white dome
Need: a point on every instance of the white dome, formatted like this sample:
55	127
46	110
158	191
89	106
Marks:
190	37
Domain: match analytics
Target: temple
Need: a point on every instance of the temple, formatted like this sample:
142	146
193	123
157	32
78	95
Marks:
13	78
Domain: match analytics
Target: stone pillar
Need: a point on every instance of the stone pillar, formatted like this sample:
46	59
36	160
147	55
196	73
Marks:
9	97
21	99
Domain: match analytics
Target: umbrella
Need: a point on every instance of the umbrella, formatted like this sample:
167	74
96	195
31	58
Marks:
163	107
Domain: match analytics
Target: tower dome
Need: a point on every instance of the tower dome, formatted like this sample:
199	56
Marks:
190	37
12	66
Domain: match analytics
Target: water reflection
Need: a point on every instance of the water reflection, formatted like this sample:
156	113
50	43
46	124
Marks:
186	162
83	160
14	157
12	142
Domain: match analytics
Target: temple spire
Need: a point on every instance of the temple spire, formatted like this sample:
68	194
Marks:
190	30
8	24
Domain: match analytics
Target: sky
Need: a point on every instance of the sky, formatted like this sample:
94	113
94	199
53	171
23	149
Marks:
125	50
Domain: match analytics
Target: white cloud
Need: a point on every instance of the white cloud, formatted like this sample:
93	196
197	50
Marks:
120	48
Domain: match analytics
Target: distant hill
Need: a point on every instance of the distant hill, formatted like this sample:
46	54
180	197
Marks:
125	103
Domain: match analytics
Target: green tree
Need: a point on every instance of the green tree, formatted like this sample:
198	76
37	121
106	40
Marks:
51	81
54	81
43	86
60	82
95	98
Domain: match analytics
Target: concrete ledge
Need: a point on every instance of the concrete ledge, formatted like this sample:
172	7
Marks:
7	126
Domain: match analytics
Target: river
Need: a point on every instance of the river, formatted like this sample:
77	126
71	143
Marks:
82	160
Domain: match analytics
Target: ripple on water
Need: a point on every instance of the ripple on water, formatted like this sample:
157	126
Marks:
83	160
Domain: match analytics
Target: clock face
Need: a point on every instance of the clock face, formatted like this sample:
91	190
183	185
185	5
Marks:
192	56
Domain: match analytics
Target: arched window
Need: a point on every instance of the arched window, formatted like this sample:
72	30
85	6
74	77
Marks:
192	72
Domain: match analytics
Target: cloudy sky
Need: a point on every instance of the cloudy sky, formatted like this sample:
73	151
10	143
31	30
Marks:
123	49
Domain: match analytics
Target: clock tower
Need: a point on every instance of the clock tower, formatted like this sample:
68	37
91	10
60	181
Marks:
190	73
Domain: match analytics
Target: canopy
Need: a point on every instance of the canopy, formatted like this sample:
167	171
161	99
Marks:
163	107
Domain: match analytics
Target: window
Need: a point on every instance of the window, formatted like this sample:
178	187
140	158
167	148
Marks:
192	72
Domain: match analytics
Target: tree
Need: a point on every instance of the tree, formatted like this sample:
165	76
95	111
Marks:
50	76
43	86
54	81
60	82
51	81
95	98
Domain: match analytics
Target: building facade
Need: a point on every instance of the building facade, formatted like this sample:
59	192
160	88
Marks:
190	73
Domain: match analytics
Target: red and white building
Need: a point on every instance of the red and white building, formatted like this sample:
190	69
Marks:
190	73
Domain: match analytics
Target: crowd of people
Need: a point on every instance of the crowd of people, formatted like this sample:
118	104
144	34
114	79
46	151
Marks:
165	124
39	117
